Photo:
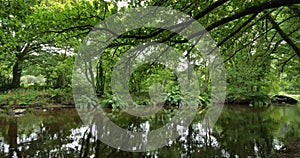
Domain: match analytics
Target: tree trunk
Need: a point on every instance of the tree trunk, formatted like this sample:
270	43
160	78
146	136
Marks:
16	80
100	81
17	72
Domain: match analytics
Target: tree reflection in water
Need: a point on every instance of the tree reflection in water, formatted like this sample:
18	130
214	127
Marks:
239	132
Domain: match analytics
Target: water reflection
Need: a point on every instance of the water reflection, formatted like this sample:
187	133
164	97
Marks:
39	135
239	132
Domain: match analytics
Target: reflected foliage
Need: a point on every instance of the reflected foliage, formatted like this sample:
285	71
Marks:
239	131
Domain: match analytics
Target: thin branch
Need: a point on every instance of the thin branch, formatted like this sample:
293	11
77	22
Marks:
232	55
210	8
294	10
251	10
237	30
182	25
83	27
286	61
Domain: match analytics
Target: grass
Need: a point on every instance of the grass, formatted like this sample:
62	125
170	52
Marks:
35	98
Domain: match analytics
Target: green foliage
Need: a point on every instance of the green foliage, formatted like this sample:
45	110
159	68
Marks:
35	37
36	98
60	75
23	97
4	79
112	101
173	97
34	82
203	100
61	96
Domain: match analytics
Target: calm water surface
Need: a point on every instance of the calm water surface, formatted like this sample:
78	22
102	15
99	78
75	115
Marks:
239	132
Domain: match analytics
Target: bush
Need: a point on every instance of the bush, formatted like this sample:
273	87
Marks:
112	101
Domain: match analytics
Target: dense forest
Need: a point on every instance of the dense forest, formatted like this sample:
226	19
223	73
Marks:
258	41
41	42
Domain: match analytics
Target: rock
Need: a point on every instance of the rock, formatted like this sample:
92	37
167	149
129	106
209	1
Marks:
17	112
240	101
282	99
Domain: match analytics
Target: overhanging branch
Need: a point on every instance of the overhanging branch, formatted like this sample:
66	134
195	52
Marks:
251	10
284	35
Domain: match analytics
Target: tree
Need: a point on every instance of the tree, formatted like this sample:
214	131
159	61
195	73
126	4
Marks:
252	36
27	31
17	42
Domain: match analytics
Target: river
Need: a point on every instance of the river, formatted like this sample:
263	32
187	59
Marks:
239	132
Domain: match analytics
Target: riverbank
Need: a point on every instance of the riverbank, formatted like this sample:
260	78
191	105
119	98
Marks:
21	101
291	150
58	98
23	98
